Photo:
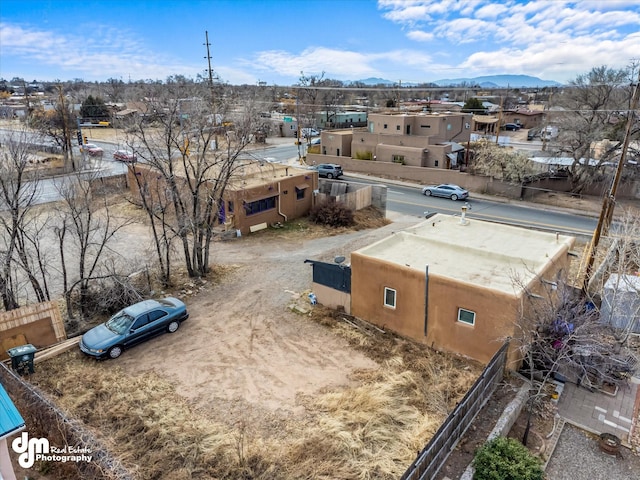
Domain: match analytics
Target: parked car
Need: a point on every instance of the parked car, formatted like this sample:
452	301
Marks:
132	325
315	141
329	170
532	133
124	156
511	126
446	190
92	149
309	132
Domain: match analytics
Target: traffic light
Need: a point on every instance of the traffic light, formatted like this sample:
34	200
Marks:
85	139
79	138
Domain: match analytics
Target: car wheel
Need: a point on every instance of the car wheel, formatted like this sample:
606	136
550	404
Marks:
454	197
329	175
115	352
173	326
427	193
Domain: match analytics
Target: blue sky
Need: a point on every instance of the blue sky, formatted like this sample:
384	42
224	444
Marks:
274	40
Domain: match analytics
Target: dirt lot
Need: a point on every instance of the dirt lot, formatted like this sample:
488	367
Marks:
249	389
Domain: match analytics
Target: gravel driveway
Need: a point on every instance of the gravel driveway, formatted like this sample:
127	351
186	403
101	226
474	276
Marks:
578	457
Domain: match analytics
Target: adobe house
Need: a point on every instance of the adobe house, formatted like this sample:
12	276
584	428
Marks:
268	193
415	139
455	283
258	195
524	117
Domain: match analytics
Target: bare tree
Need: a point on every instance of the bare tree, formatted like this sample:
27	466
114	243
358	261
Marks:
615	286
57	124
595	107
185	173
20	226
500	163
84	229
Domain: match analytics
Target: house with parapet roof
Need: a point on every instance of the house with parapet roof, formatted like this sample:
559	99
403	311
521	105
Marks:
454	283
415	139
258	195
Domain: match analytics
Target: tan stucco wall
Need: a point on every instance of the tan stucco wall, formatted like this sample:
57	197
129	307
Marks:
369	277
287	205
281	186
497	313
332	298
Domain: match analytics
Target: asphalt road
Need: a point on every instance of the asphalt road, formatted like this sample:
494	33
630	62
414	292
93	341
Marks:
401	198
408	200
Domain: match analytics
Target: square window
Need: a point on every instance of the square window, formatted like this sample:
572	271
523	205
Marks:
466	316
397	127
389	297
385	125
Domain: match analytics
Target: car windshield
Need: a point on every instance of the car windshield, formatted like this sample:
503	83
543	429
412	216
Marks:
120	322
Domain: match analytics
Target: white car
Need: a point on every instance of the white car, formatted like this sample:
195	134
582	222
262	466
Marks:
309	132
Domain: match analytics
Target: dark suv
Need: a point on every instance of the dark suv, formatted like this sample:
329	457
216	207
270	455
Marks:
329	170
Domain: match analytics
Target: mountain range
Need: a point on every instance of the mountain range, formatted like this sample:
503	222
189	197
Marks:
489	81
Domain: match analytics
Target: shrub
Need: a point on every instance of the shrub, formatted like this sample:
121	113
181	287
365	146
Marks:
333	214
364	155
503	458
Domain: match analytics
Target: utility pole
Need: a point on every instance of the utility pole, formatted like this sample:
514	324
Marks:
210	71
609	201
499	120
212	93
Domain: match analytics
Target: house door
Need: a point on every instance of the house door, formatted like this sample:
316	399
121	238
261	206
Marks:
408	129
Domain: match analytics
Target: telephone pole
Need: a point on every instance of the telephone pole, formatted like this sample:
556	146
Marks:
211	91
609	201
210	71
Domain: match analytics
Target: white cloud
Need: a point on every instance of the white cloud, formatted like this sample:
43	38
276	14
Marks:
491	11
106	51
420	36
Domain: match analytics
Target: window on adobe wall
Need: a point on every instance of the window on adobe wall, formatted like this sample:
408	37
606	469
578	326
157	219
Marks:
385	126
397	127
466	316
259	206
300	192
389	297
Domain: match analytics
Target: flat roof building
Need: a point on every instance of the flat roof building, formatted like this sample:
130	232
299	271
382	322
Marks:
456	283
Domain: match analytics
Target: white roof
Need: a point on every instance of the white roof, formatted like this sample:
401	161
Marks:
481	253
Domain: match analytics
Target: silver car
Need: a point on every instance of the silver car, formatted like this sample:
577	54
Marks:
329	170
446	190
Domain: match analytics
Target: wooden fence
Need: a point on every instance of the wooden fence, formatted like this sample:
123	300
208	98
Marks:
435	454
40	325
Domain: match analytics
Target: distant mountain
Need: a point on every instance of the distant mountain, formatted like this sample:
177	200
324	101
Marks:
499	81
489	81
375	81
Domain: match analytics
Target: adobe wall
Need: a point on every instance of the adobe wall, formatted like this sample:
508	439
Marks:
495	311
421	175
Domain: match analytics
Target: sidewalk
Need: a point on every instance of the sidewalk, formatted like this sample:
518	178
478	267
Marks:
598	412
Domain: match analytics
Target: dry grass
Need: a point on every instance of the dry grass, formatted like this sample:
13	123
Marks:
365	218
369	431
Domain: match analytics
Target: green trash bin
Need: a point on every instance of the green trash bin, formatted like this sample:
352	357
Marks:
22	358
